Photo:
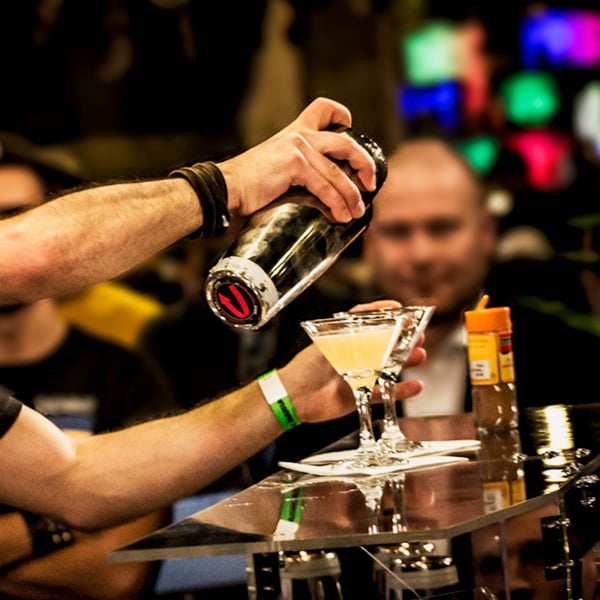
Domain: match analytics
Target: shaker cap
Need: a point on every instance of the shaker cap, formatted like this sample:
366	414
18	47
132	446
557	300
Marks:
488	319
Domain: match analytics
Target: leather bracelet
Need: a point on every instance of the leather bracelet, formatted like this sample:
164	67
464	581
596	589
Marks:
46	535
209	185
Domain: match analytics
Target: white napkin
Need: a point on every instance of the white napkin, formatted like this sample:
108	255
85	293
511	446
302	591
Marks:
343	468
430	447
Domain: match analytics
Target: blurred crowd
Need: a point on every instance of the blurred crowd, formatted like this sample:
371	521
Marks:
495	138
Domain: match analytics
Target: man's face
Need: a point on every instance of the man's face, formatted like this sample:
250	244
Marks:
430	241
20	190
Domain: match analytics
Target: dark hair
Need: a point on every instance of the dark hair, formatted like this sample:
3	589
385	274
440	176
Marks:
56	173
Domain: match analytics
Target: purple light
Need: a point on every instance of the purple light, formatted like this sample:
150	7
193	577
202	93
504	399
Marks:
561	38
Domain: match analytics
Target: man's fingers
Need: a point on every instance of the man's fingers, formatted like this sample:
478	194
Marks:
330	183
408	389
417	356
376	305
322	113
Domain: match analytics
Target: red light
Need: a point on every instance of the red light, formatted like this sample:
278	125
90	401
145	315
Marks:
546	155
474	67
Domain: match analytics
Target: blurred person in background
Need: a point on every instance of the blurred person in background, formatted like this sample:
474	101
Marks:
83	384
434	241
431	241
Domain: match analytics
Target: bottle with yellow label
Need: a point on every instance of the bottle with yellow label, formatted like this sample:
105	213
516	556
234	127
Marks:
491	367
495	409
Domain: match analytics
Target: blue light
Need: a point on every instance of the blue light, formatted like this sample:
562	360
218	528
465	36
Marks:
560	38
441	101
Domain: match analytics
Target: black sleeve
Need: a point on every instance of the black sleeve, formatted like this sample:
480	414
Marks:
9	411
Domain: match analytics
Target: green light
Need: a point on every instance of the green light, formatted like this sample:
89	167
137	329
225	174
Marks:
430	54
531	98
481	152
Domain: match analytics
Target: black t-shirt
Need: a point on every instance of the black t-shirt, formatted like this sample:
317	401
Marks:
87	384
92	384
9	411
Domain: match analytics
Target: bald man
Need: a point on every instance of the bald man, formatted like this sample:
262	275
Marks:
431	241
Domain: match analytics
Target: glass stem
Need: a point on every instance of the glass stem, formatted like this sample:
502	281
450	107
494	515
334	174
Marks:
373	494
367	444
387	388
396	483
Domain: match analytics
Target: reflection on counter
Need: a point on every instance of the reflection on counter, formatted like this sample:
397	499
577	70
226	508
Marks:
510	558
502	472
563	437
404	519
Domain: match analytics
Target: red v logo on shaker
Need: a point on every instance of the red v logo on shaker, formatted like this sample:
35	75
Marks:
242	310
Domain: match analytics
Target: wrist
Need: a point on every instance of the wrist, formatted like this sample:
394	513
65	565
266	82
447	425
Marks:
209	185
46	535
233	195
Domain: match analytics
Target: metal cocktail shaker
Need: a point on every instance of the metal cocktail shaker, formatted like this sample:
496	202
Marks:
282	250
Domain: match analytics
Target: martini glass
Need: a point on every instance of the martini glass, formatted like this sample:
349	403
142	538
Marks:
392	441
358	347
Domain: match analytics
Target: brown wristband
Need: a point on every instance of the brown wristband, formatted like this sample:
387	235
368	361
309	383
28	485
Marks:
209	184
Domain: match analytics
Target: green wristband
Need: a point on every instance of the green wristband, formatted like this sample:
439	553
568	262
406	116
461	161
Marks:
277	397
292	505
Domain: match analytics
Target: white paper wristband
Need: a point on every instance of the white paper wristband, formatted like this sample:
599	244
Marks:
276	395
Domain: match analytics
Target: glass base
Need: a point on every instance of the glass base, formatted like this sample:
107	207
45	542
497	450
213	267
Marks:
395	442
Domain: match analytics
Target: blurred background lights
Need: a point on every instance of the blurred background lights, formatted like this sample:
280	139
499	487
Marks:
500	202
530	98
560	38
586	113
523	242
546	155
473	67
481	152
431	54
441	102
439	52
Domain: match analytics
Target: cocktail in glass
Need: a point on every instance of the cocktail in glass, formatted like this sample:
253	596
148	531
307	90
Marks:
358	347
392	441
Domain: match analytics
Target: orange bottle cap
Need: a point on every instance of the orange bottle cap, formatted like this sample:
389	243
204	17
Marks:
488	319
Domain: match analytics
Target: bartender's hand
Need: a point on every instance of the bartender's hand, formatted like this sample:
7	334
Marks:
320	392
298	156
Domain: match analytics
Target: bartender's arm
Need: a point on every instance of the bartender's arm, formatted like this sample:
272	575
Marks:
110	478
95	234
